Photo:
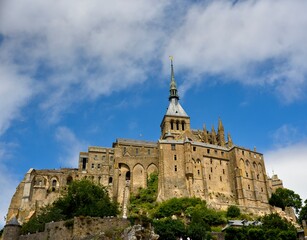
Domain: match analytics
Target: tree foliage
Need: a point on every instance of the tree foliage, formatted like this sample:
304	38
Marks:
233	211
303	213
170	229
83	198
284	197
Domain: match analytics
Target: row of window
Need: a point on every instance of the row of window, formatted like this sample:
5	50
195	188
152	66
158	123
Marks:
104	157
136	151
177	124
250	154
173	147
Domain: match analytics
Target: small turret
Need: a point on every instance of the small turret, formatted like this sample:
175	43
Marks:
213	133
230	143
220	132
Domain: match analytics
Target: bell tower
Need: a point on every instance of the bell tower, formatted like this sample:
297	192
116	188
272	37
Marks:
175	121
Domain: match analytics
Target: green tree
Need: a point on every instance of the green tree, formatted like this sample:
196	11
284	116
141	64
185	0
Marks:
284	197
303	213
198	228
83	198
169	229
255	233
232	233
233	211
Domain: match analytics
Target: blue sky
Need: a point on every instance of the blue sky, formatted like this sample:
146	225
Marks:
78	73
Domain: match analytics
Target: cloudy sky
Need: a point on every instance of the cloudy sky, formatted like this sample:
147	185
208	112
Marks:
80	73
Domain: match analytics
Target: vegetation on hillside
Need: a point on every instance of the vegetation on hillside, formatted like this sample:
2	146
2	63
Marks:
284	197
273	228
83	198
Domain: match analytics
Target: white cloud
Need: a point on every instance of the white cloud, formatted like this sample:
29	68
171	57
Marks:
290	163
254	42
15	91
8	183
70	147
79	50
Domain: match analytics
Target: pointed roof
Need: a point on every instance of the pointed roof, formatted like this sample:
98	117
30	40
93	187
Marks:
174	107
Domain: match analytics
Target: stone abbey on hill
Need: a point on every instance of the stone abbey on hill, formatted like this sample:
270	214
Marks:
189	163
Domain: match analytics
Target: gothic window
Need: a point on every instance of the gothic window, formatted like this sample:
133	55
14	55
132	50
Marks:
247	163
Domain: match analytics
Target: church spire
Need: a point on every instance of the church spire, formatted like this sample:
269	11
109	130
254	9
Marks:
173	86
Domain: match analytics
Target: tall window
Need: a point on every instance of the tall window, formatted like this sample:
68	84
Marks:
173	146
177	125
175	168
182	126
175	157
172	125
84	160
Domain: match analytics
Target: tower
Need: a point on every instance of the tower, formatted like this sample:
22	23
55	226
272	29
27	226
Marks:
175	121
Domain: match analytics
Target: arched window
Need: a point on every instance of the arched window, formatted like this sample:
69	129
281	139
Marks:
172	125
53	183
110	180
177	125
182	125
128	175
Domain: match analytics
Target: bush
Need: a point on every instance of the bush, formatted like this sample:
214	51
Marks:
233	212
169	229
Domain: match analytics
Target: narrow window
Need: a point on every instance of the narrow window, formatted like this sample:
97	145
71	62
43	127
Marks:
84	160
222	153
211	170
137	151
198	172
223	171
215	151
221	179
242	152
194	149
209	177
98	166
175	157
246	174
208	151
210	160
182	126
177	125
172	125
173	146
261	189
110	180
148	151
258	176
220	162
249	187
93	166
175	168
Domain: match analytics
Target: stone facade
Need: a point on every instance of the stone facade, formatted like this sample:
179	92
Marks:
190	163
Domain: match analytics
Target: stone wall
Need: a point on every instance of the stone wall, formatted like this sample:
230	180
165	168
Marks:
80	228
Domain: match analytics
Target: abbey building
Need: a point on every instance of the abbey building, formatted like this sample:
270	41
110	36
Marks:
190	163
